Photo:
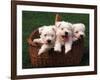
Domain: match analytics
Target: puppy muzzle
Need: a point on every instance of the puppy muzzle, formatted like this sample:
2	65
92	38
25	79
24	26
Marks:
49	41
81	37
65	37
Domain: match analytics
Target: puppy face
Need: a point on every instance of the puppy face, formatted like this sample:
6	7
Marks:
48	34
63	30
78	31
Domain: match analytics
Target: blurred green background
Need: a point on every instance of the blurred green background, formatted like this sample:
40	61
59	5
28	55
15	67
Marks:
32	20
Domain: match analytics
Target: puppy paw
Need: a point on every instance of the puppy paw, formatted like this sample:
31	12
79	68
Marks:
57	49
35	40
40	52
67	50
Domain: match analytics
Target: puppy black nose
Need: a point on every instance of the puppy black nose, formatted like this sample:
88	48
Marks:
66	33
49	41
81	36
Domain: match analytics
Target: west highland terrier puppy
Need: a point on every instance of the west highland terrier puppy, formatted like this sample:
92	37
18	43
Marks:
63	36
78	31
47	38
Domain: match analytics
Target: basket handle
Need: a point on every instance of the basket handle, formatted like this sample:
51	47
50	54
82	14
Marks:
57	18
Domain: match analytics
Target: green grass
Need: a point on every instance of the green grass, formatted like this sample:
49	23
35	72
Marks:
30	21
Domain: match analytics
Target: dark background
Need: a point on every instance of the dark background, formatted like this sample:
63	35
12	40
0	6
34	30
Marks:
32	20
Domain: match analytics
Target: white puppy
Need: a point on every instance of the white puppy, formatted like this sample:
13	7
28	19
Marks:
63	36
47	38
78	31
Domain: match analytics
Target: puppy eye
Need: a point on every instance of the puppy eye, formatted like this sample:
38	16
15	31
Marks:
52	35
45	35
62	28
76	32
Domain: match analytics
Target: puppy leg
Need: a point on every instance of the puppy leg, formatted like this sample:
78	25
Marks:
57	47
43	49
37	40
68	46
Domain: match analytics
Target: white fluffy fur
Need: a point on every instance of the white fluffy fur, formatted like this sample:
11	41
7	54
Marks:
47	38
63	27
78	31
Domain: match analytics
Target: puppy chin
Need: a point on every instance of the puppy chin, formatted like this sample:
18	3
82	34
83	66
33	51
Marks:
75	39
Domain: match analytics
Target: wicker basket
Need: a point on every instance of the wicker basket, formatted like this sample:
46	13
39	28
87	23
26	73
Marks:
54	59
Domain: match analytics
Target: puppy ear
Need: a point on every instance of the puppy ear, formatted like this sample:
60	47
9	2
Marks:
83	26
71	26
41	29
57	24
54	29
